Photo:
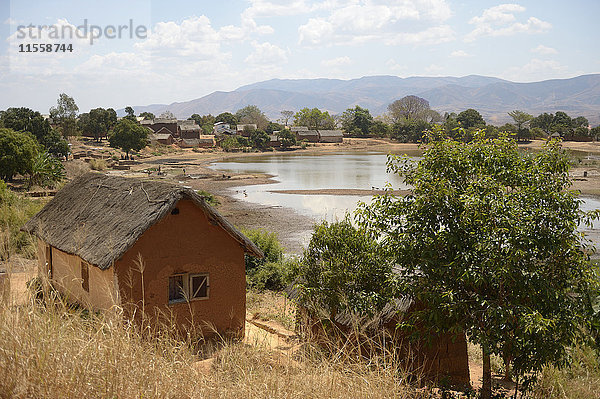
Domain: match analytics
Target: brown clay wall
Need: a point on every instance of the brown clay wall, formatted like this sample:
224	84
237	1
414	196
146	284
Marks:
187	243
66	277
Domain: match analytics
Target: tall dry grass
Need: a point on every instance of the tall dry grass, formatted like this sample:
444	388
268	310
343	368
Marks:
48	349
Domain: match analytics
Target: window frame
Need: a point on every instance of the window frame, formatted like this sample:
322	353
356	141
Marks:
190	285
187	288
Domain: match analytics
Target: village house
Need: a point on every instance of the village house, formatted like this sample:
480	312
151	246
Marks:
158	124
441	356
161	138
108	241
222	128
331	136
274	141
189	129
312	136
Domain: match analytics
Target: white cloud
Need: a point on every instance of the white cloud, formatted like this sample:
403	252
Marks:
393	22
501	21
544	50
434	69
336	62
460	54
266	54
393	65
536	70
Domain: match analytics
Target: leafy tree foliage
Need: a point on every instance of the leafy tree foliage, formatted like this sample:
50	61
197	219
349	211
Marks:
343	268
357	121
252	114
65	114
379	129
46	170
543	121
314	119
287	138
128	135
27	120
259	139
17	153
412	108
409	130
227	117
130	114
98	122
522	120
286	115
147	115
470	118
488	240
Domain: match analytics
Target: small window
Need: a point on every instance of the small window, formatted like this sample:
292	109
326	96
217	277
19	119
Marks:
85	276
177	288
188	287
199	286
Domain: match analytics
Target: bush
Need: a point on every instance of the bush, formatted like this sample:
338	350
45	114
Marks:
17	153
209	198
270	272
273	276
46	170
98	164
14	212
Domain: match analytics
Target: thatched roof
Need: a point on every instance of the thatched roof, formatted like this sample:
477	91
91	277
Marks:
99	217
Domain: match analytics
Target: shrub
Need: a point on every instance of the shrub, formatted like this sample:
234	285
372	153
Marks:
98	164
209	198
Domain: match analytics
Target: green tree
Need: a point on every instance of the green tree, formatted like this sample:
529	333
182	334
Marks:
252	114
65	114
522	120
128	135
470	118
562	124
98	122
410	108
409	131
343	268
46	170
313	119
357	118
17	153
259	139
287	138
543	121
27	120
488	241
379	129
227	117
147	116
286	116
595	133
130	114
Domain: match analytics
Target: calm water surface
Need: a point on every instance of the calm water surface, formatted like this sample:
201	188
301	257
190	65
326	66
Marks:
348	170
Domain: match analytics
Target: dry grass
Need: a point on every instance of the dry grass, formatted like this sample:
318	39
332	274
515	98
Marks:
15	210
49	350
97	164
270	305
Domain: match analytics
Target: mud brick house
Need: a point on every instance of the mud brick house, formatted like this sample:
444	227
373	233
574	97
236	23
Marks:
101	234
331	136
312	136
189	130
438	357
163	126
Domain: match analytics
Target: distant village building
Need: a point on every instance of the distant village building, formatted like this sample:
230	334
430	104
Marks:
312	136
298	128
158	124
331	136
190	130
204	141
222	128
161	138
101	233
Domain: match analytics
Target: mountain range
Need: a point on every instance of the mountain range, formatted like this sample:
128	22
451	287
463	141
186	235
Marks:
492	97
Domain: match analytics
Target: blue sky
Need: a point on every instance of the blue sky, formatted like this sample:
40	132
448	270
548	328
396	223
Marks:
193	48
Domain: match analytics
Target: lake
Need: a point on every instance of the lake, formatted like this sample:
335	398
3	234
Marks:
344	170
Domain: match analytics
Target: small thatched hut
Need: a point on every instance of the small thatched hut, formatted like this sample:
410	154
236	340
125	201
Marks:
106	241
442	356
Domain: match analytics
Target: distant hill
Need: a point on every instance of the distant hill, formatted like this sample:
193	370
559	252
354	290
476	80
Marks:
493	97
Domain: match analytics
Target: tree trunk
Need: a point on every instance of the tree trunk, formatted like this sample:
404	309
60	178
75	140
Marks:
507	370
486	388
